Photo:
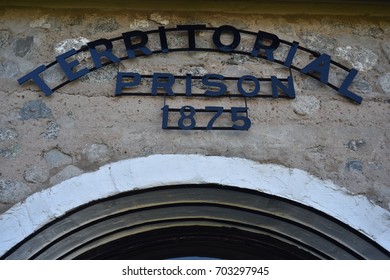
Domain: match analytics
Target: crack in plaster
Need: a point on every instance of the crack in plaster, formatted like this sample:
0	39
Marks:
112	178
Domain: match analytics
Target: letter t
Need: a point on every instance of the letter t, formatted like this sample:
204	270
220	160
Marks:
34	75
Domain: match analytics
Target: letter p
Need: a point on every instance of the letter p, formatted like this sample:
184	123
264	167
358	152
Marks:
120	84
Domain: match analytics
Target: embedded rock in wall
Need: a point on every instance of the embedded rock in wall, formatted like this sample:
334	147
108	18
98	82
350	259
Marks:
36	174
384	82
355	145
68	172
52	131
23	46
386	49
7	134
42	22
10	151
362	59
9	148
106	24
306	105
4	38
362	86
354	165
68	44
56	158
97	153
13	191
139	23
319	43
8	69
157	18
237	59
36	109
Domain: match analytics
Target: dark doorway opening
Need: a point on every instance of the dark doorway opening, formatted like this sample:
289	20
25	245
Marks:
201	242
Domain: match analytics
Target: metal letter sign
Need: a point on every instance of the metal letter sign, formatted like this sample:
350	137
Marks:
264	44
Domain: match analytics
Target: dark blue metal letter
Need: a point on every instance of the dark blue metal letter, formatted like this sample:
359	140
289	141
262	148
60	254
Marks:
120	84
191	33
188	85
264	36
244	78
206	81
291	54
34	75
106	53
131	48
163	80
67	67
289	91
226	29
344	87
321	66
163	39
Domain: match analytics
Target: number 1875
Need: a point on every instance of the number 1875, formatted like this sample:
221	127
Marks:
187	119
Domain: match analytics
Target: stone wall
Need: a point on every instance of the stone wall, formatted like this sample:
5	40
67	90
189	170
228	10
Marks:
45	140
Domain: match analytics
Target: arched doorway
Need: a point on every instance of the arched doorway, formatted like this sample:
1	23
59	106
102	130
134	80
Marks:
196	206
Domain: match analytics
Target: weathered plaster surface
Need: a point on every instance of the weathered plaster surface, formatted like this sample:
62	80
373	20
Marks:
81	127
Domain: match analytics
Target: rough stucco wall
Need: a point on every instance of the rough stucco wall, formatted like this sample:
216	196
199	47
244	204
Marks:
45	140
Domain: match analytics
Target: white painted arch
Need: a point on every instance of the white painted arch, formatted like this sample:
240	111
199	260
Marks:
161	170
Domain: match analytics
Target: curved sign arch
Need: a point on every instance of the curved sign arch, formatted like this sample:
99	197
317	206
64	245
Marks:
255	191
135	44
